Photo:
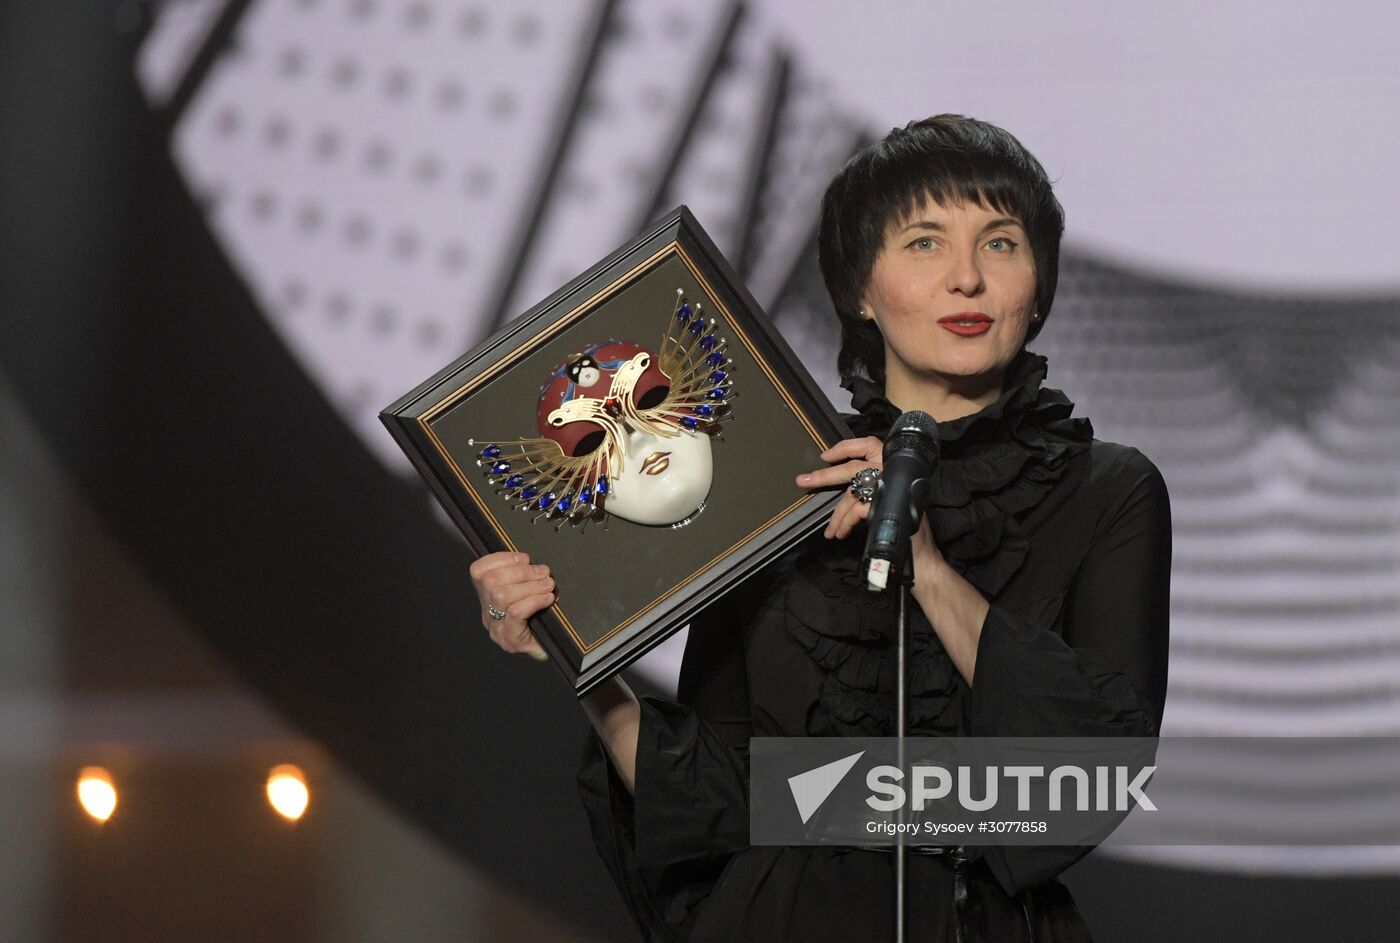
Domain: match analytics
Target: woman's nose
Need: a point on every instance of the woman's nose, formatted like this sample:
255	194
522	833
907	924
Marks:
964	274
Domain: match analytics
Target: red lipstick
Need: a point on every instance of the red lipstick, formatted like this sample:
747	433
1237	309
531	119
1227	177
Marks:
967	323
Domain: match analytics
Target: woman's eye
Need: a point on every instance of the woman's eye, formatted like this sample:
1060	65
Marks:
653	397
1001	244
924	243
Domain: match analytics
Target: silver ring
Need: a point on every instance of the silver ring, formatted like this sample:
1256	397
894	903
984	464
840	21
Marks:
497	614
865	484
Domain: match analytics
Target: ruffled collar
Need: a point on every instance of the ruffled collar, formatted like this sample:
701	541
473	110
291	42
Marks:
995	466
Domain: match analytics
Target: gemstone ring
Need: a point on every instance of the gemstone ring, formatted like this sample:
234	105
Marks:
865	484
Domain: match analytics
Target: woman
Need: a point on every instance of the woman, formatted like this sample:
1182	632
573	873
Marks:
1040	576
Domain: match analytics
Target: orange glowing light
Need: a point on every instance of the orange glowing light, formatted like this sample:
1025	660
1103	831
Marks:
96	793
287	792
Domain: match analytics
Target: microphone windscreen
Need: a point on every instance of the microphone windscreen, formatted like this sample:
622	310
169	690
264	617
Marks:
915	430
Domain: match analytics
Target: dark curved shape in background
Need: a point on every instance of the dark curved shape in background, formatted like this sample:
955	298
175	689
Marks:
319	576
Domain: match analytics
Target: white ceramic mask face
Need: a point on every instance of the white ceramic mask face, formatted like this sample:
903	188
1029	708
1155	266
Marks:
664	479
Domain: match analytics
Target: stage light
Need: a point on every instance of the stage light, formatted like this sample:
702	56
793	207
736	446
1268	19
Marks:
97	793
287	792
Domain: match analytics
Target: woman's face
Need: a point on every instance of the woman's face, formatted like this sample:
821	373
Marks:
945	264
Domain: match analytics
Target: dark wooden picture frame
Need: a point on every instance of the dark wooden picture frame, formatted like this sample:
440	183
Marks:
625	587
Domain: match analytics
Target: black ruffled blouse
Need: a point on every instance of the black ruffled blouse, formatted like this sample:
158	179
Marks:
1067	537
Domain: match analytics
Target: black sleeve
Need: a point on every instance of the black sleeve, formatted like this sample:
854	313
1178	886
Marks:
1105	672
667	843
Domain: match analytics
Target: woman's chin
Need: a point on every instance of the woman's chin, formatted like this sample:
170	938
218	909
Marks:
963	369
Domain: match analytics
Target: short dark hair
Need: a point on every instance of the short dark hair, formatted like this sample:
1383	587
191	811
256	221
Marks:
949	158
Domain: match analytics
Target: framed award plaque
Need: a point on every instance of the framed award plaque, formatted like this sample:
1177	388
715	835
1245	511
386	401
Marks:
639	431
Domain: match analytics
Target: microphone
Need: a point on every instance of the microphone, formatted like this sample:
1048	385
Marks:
910	453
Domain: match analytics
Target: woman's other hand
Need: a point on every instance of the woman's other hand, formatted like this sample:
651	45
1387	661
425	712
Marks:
848	457
510	583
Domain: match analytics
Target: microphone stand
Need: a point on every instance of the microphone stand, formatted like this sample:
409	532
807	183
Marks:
901	728
910	452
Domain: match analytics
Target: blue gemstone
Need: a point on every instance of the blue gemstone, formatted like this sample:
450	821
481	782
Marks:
683	315
705	409
515	481
716	394
546	500
586	495
714	360
708	342
689	422
500	468
697	326
718	376
529	492
602	486
491	451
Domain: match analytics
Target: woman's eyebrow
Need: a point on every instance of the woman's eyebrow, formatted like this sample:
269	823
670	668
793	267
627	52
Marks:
934	226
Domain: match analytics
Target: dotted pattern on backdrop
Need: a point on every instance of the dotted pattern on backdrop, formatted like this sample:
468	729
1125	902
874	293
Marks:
652	65
1286	514
803	313
171	45
812	139
712	176
361	162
